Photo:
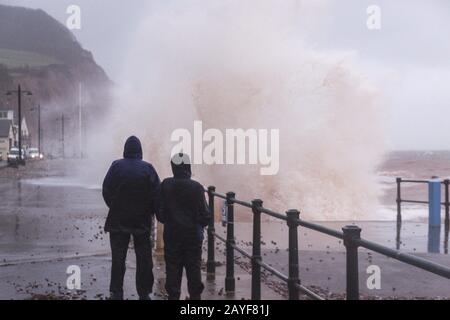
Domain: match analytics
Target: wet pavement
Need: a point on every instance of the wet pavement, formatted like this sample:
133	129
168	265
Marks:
50	221
45	229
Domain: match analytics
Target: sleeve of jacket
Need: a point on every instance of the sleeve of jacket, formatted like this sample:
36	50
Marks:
155	190
108	187
160	211
204	214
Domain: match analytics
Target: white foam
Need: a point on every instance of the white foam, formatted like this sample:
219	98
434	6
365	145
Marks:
62	182
247	64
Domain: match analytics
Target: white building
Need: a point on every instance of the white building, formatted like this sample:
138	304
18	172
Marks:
6	137
7	114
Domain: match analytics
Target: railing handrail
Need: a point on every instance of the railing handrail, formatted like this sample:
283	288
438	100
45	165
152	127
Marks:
445	203
350	235
407	258
414	181
422	181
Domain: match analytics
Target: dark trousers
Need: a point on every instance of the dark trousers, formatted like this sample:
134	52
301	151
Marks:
144	268
181	255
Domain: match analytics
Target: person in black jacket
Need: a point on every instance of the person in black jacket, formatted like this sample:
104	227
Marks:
184	213
130	191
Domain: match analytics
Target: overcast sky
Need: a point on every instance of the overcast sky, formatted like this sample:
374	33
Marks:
409	58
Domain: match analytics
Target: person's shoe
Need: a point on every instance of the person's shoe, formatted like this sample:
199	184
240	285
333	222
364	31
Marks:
116	296
145	298
196	298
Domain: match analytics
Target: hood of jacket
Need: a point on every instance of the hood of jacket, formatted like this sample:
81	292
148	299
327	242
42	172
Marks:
133	148
181	166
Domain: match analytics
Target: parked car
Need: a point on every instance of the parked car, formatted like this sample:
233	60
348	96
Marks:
13	156
34	154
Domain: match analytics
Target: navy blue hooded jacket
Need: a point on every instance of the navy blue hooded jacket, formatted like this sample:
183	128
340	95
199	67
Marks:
183	208
130	190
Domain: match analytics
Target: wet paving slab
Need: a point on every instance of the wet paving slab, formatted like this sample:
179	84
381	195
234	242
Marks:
50	221
43	230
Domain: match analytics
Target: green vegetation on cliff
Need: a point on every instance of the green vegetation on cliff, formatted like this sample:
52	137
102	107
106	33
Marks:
21	59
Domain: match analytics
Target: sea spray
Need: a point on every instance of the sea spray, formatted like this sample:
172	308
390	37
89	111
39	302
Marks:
249	64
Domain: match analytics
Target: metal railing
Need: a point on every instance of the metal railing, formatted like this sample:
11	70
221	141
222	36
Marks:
446	203
351	236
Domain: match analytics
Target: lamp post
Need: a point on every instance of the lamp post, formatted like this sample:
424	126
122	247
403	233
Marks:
63	134
38	108
39	129
80	119
19	93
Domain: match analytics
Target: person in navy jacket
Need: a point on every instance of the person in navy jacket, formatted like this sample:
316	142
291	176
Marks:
130	190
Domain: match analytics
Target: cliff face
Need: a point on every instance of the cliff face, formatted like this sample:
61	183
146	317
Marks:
43	56
35	31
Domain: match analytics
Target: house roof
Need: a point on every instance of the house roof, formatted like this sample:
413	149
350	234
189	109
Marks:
5	127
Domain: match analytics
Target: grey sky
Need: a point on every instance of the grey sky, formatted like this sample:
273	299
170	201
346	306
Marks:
409	58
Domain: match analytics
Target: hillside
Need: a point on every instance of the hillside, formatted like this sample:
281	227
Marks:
43	56
31	30
13	59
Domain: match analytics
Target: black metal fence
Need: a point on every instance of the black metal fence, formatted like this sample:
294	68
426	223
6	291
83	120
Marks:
351	236
446	203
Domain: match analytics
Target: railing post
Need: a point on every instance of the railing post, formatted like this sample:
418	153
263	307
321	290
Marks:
435	203
399	201
447	204
447	215
352	233
256	253
446	235
292	217
211	263
398	238
230	282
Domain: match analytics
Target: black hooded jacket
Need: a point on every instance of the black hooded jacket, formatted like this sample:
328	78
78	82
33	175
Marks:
130	191
183	209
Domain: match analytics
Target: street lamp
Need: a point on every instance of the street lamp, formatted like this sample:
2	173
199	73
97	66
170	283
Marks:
19	93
